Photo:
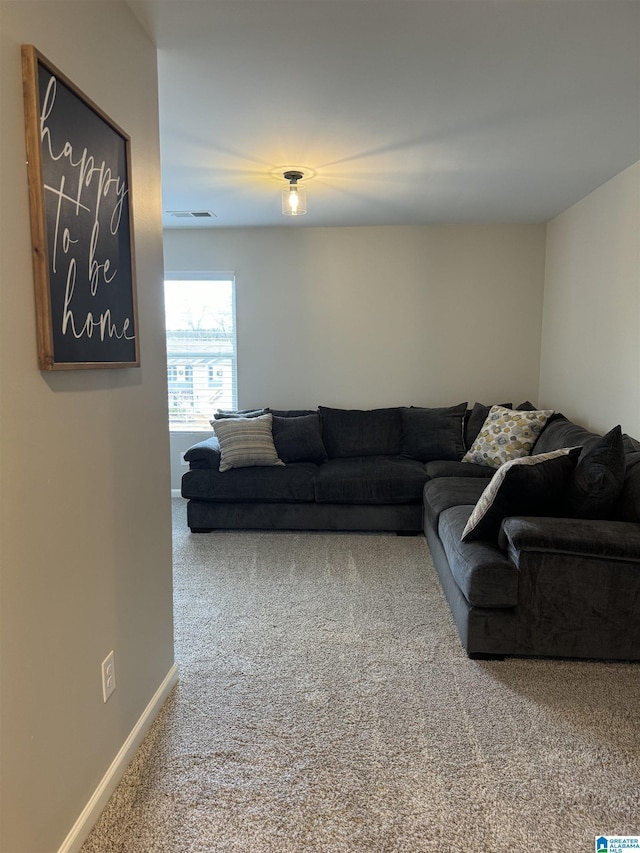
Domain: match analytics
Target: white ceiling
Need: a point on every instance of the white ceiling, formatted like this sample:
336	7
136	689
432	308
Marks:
408	111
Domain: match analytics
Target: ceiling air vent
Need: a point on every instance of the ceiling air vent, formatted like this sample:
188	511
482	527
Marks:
192	214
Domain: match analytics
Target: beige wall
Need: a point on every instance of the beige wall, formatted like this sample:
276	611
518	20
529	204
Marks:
84	489
590	364
363	317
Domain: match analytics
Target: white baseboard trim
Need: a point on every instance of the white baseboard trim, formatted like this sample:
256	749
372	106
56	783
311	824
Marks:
92	811
176	493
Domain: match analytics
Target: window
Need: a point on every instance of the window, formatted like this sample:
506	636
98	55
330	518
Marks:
201	347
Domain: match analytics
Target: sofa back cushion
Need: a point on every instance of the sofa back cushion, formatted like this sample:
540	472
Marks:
292	413
561	432
429	434
356	432
629	443
628	506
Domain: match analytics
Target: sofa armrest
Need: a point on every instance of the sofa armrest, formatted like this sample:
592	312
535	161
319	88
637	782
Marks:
204	454
578	587
612	540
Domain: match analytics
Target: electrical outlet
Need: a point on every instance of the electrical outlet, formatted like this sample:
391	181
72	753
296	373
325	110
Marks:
183	461
108	676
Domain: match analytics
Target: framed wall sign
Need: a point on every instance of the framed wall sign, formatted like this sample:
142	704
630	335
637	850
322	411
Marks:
81	225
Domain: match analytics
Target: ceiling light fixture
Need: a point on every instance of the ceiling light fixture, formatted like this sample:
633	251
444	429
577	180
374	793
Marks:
294	198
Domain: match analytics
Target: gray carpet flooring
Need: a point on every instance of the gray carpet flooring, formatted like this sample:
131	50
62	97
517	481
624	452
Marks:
325	705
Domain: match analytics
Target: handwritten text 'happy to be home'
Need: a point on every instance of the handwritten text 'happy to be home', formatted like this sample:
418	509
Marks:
97	190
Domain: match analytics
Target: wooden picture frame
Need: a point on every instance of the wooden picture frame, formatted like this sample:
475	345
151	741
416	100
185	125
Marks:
79	173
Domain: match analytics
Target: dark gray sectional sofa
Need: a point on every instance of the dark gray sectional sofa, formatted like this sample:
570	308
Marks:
542	585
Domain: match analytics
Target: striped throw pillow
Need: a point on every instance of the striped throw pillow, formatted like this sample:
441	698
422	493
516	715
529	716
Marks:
246	442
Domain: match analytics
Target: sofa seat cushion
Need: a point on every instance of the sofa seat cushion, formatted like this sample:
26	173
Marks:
449	468
294	482
483	573
446	492
370	480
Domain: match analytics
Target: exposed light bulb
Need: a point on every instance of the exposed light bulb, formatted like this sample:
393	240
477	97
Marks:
294	198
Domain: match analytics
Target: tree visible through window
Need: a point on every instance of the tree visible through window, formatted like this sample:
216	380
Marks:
201	347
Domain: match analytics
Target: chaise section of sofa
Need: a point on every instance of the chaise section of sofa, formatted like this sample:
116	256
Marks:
545	585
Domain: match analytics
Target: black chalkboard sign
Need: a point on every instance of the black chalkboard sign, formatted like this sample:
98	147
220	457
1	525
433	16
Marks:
81	225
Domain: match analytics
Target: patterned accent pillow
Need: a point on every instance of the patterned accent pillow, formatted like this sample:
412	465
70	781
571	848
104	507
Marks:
530	485
246	442
506	435
475	419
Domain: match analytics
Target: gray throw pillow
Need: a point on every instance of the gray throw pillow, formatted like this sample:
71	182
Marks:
221	414
429	434
597	481
299	439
